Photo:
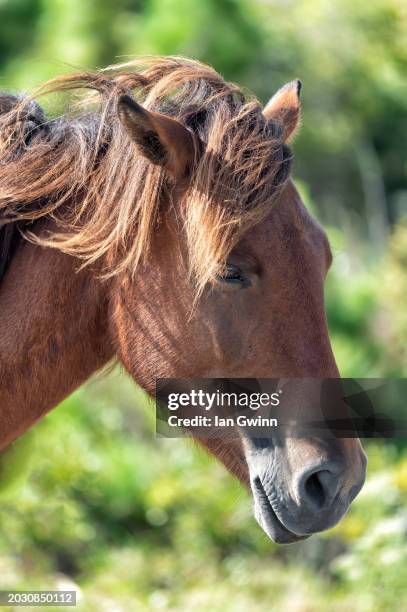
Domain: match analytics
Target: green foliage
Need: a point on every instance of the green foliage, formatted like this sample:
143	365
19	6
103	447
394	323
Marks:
394	299
351	304
14	464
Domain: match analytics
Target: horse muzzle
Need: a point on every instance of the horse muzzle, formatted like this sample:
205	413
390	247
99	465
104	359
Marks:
301	489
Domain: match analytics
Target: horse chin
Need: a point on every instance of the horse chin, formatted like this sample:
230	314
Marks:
269	521
274	528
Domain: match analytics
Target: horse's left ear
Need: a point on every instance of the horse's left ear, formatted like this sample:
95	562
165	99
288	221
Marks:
162	140
285	107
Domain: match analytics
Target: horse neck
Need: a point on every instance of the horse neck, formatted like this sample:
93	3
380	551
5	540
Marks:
53	335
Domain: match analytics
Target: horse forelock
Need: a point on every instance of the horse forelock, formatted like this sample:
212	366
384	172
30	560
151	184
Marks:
82	170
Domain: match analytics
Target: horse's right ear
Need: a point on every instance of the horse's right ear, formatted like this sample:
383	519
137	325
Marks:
285	107
162	140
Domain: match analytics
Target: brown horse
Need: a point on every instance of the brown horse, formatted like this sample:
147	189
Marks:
167	233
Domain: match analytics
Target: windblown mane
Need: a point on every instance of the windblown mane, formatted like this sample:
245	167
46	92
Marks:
81	168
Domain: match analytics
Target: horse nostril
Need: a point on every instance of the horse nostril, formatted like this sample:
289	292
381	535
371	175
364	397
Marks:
318	487
314	489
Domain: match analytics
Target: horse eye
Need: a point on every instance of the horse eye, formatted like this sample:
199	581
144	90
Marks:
233	275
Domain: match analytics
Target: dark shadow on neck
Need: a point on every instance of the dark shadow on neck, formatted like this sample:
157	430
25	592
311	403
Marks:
10	238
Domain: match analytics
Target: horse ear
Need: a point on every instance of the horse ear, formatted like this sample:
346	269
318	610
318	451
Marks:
162	140
285	107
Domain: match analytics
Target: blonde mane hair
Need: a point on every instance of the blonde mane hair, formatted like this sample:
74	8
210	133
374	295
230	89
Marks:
82	170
